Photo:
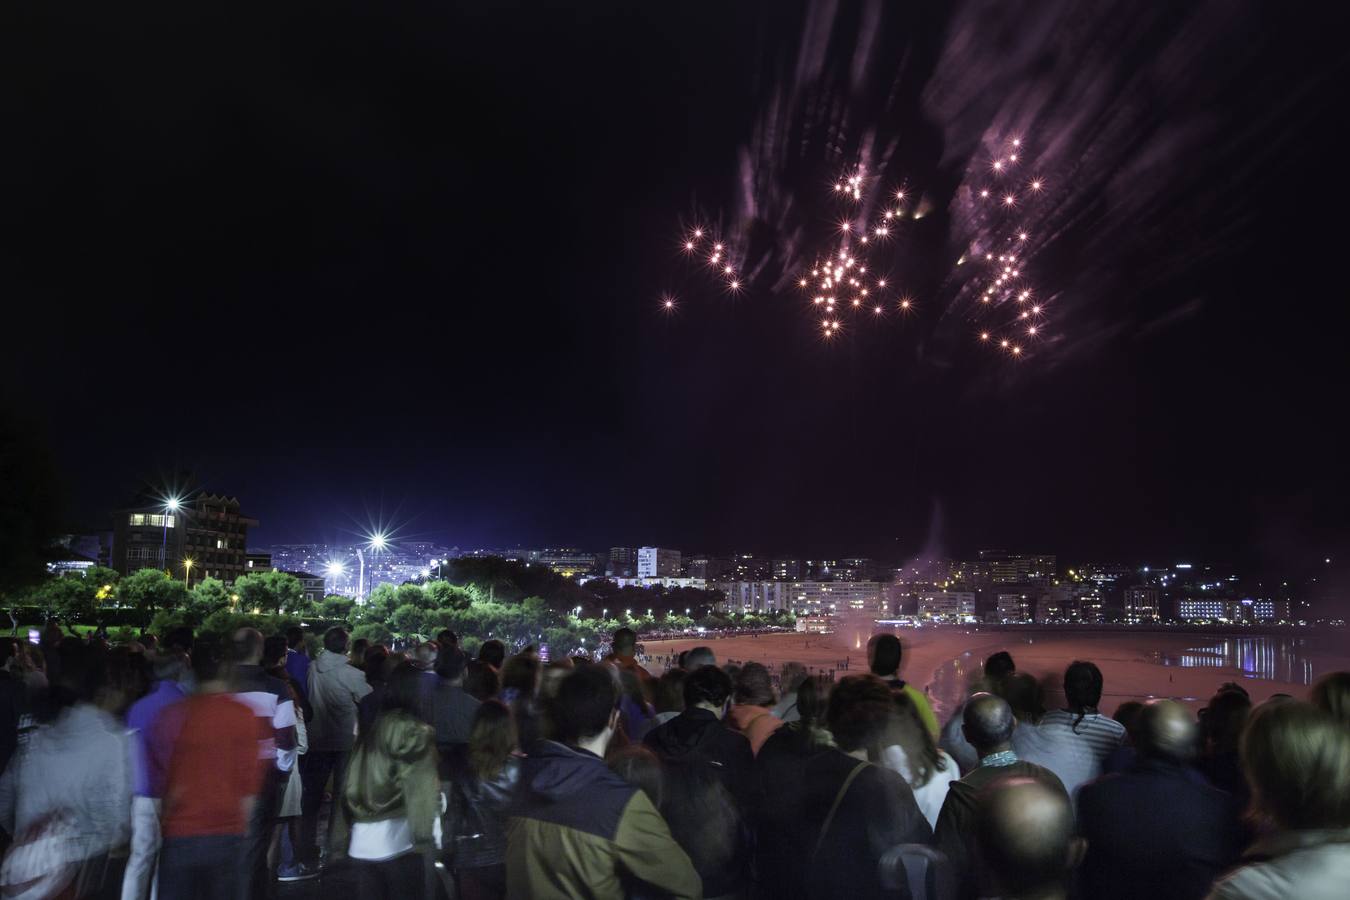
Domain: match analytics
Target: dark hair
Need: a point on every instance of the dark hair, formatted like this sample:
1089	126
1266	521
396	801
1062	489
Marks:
521	673
1023	693
374	664
1127	714
403	691
357	652
641	768
860	706
207	662
907	730
999	666
1082	688
670	691
447	638
585	701
480	680
491	740
294	637
1223	720
493	653
884	650
754	687
335	640
1297	760
708	684
625	641
274	651
450	663
812	696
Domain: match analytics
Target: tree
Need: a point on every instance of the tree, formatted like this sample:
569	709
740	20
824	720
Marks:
270	592
209	596
408	620
70	597
336	607
380	604
414	595
149	590
375	632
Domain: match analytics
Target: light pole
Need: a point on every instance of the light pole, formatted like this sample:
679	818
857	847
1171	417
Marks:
361	576
187	570
170	506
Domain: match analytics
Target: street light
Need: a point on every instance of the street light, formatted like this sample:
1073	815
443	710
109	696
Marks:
188	563
335	570
170	506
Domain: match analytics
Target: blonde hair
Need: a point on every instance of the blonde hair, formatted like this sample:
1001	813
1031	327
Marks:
1297	761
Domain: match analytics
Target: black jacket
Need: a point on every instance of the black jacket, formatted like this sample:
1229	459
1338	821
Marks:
1155	832
698	735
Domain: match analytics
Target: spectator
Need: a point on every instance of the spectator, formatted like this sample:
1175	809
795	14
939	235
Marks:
635	713
493	653
424	656
669	697
707	770
297	660
276	655
170	671
1297	759
380	665
453	711
883	658
391	797
988	726
1331	694
1026	840
520	686
1191	834
270	700
997	668
335	689
699	657
1074	742
908	750
481	681
579	830
789	679
74	779
447	639
357	654
640	767
480	799
1221	724
751	714
212	779
1124	756
623	658
698	733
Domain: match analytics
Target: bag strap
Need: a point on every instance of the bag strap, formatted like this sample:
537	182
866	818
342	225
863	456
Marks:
834	807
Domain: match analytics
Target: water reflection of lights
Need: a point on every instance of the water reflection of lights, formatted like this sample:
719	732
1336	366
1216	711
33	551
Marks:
1270	659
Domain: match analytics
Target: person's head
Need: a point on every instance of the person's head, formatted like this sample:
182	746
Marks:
707	688
1165	730
149	642
754	687
1297	761
998	666
641	768
295	637
1127	714
988	723
450	663
521	674
553	674
171	665
1023	693
424	655
447	638
858	712
389	664
492	739
274	651
1024	831
373	663
493	653
1082	686
791	675
906	730
335	640
625	642
813	697
1331	694
356	655
670	691
699	657
247	647
208	667
480	680
586	708
403	690
1224	719
883	655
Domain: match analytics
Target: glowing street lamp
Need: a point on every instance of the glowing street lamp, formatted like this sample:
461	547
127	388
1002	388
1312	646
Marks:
188	563
335	570
170	506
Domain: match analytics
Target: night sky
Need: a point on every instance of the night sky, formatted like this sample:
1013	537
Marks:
404	262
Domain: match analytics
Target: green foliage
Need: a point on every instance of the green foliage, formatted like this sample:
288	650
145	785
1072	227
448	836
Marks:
149	590
374	632
408	620
445	595
208	596
336	608
270	592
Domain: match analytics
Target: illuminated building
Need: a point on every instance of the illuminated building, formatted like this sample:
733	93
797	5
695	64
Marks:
1015	609
756	596
257	562
952	605
1002	567
657	562
787	569
566	562
1141	604
311	585
208	533
622	562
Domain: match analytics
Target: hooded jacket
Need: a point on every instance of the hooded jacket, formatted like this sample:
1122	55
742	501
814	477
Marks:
698	735
580	831
335	688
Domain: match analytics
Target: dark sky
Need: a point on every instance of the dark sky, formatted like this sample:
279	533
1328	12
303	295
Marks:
403	261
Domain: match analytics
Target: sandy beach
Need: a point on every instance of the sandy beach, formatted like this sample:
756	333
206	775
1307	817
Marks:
1185	667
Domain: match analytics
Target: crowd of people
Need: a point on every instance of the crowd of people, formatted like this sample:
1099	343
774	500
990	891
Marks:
184	767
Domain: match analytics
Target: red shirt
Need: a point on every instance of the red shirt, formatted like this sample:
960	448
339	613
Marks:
212	767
